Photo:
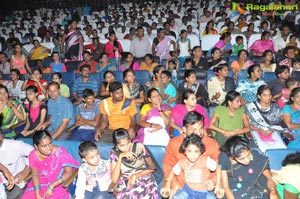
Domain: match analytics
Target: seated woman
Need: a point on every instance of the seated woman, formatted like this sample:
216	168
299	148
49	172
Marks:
268	64
216	58
104	64
109	77
154	120
250	31
38	52
149	63
132	89
229	120
14	87
248	87
261	45
287	186
223	44
51	166
241	63
188	103
36	112
130	63
36	80
63	88
291	116
11	111
219	85
156	79
245	173
167	89
266	121
209	29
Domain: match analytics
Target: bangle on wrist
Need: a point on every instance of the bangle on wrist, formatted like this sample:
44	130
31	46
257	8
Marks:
49	187
37	187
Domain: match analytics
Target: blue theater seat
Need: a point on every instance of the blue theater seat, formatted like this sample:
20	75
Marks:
201	75
268	76
276	156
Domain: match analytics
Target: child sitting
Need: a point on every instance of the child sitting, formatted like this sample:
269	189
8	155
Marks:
239	45
196	167
187	63
296	65
290	84
167	89
57	65
94	173
172	66
293	43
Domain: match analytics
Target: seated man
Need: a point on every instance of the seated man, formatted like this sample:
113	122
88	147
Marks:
60	112
87	60
118	112
192	123
83	82
87	117
14	155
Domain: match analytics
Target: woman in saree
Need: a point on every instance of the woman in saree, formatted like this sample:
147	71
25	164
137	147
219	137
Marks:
104	64
51	166
247	87
266	121
130	63
161	45
38	52
241	63
72	43
261	45
188	103
154	120
11	111
223	44
291	116
245	173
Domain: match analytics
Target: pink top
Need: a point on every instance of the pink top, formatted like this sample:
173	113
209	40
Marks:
135	66
109	46
179	111
260	46
19	63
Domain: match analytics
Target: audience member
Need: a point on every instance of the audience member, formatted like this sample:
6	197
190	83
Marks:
57	65
105	65
242	63
268	64
87	60
199	61
14	87
4	64
140	46
19	61
63	88
129	63
276	85
108	77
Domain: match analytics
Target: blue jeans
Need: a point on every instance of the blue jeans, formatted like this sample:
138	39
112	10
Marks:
97	194
187	193
83	135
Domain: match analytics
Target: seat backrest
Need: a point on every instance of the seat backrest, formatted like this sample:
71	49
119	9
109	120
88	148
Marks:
72	65
253	38
68	78
195	41
242	74
142	76
296	75
276	156
209	41
268	76
125	43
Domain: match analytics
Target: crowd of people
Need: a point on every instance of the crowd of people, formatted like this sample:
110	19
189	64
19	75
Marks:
215	133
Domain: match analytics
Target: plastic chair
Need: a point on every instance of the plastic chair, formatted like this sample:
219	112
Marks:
194	40
253	38
208	41
125	44
276	156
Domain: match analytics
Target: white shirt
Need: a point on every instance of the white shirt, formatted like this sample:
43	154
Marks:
139	48
16	92
279	43
14	155
5	68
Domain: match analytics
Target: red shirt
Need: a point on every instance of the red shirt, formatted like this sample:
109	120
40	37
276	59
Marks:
109	47
33	83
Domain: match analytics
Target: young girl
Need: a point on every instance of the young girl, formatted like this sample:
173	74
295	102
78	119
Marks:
94	173
172	66
184	44
63	88
57	65
36	112
132	168
196	167
290	84
167	89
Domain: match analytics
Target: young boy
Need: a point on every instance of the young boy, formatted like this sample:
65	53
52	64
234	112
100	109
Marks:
87	117
57	65
94	173
167	89
239	45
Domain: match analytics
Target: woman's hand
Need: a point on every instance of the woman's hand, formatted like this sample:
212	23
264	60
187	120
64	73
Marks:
34	78
131	180
165	192
217	95
156	127
128	155
48	192
26	133
220	192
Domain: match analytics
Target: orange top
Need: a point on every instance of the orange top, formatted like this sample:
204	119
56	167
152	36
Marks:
117	118
143	66
173	155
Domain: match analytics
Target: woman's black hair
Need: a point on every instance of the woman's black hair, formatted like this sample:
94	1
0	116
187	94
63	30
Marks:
264	33
38	69
186	94
39	136
230	96
156	69
265	54
243	50
220	67
192	139
116	41
261	89
214	50
150	56
293	158
86	147
32	88
294	92
15	71
206	27
58	75
182	31
224	35
188	73
150	91
251	69
119	134
108	71
235	145
128	70
5	88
